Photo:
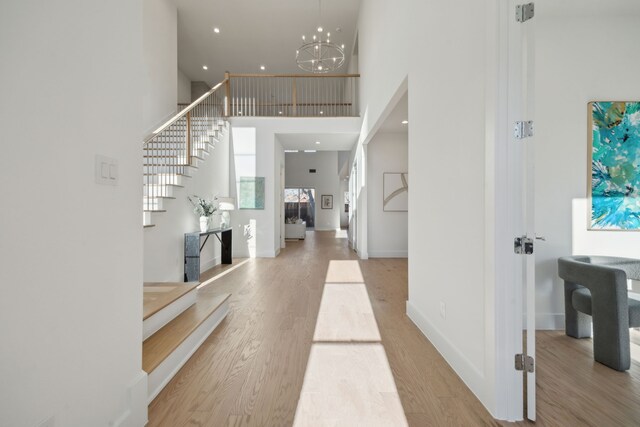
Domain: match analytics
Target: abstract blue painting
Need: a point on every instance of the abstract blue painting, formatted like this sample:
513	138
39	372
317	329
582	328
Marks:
614	147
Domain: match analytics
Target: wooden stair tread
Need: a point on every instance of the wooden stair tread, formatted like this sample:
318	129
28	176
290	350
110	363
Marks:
157	296
161	344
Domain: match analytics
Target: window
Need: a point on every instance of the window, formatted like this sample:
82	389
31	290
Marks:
300	203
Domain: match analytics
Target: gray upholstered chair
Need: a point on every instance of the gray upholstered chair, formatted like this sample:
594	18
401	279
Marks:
595	288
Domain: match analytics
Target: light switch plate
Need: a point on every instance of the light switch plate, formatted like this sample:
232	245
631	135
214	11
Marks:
106	170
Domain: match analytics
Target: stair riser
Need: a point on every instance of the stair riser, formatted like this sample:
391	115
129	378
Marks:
167	179
153	324
146	218
153	204
170	161
161	375
157	170
159	190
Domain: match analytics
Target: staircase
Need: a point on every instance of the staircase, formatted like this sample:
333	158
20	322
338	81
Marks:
176	321
174	151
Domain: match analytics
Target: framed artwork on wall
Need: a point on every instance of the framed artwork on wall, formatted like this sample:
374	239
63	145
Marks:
251	192
327	201
395	191
613	182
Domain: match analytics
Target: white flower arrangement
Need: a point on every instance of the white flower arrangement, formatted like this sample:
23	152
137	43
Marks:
203	207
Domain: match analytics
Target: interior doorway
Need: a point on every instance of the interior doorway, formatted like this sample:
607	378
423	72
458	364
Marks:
300	203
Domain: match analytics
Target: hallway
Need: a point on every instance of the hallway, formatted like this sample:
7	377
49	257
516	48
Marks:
251	370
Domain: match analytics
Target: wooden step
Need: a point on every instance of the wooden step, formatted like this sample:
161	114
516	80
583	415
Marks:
157	348
157	296
166	351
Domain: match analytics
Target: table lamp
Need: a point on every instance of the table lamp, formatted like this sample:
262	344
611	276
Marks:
226	204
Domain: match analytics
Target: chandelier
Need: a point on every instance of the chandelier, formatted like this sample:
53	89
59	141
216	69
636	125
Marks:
319	55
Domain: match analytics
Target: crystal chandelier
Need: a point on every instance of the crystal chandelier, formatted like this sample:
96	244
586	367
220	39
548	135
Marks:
319	55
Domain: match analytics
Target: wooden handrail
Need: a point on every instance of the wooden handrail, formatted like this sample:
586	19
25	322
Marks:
294	75
182	113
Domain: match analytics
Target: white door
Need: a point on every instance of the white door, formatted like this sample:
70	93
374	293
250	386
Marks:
521	113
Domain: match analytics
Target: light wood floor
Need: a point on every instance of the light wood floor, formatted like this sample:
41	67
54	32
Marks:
250	371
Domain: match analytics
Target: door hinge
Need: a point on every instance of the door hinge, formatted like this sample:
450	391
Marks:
523	130
524	363
524	12
523	245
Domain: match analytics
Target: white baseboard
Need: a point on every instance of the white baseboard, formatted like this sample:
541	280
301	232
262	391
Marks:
470	375
277	251
210	264
548	321
388	254
160	377
135	415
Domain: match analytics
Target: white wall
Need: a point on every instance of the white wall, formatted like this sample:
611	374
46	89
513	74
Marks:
447	151
267	224
279	173
387	231
160	55
184	88
344	216
71	250
326	181
164	243
577	62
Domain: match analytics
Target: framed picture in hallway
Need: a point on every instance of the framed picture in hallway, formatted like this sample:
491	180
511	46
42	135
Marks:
613	181
395	191
327	201
251	192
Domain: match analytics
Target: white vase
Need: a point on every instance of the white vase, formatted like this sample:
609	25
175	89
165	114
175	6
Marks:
204	224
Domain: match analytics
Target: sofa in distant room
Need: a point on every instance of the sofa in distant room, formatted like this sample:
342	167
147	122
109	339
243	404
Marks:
295	230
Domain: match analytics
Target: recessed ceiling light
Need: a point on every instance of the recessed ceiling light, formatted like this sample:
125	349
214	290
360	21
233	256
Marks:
405	122
216	30
204	67
317	142
309	151
262	67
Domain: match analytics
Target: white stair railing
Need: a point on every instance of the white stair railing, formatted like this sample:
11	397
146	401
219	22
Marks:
172	151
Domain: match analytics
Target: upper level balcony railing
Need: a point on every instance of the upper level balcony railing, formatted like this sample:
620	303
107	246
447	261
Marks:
291	95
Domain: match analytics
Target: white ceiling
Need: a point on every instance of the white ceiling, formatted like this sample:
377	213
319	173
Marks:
255	32
393	122
328	141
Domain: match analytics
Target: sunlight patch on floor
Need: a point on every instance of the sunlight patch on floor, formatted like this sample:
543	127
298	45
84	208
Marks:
341	234
349	385
346	314
344	272
224	273
348	380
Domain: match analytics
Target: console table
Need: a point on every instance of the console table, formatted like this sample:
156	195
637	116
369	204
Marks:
192	249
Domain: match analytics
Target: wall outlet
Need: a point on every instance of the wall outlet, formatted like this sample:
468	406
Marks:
443	310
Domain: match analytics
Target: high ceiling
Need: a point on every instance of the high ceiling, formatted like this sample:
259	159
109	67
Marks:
254	33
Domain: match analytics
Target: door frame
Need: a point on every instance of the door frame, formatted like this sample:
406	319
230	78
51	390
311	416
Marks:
503	202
